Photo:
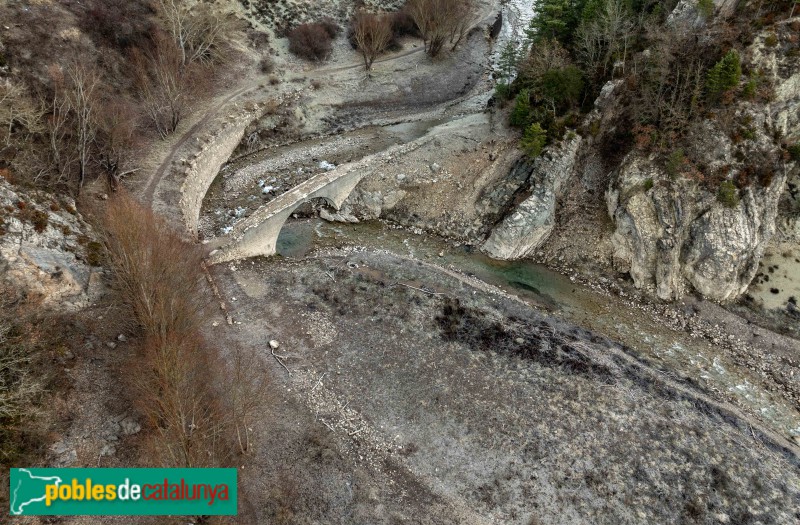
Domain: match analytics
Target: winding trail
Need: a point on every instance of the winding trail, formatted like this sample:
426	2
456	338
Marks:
158	175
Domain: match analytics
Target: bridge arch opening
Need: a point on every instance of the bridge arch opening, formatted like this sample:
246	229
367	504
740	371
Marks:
296	236
257	235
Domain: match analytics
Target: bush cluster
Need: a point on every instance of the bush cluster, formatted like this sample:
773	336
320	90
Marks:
313	41
724	75
706	7
728	194
533	140
121	24
794	152
403	24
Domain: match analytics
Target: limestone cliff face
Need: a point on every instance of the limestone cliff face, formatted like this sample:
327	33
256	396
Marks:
789	211
45	249
775	53
688	12
531	223
673	236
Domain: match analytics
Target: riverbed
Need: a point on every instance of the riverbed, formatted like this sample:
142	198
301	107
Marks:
672	351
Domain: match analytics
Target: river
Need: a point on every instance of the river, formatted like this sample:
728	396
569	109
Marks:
673	351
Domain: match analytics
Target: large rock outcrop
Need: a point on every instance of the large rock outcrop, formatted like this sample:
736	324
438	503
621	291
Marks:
531	223
46	249
673	235
689	13
775	53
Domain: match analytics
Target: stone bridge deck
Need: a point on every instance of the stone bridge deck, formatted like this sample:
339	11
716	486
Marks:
258	234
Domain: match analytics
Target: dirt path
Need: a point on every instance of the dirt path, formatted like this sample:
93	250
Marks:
158	175
252	84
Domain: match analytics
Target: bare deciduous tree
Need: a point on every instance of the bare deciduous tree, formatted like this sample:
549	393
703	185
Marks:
162	83
117	121
17	108
544	56
372	34
71	122
463	16
606	38
60	157
83	90
197	399
440	21
669	82
200	30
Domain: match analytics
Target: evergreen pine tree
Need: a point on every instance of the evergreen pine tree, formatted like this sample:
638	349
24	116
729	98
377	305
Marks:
724	75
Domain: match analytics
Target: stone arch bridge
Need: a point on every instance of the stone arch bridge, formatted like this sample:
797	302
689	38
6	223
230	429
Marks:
258	233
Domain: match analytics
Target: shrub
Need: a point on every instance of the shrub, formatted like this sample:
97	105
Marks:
648	184
121	24
794	151
257	39
675	162
725	74
331	27
266	65
706	7
22	381
403	24
563	86
39	219
555	129
521	114
728	194
502	90
771	40
533	140
94	253
751	87
747	133
311	42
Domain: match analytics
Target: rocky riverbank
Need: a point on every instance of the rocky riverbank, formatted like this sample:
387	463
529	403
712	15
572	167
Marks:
410	362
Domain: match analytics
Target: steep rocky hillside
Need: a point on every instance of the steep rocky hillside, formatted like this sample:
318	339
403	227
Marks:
679	188
281	15
678	234
47	249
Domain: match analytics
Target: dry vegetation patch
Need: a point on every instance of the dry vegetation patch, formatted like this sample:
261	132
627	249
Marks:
196	398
